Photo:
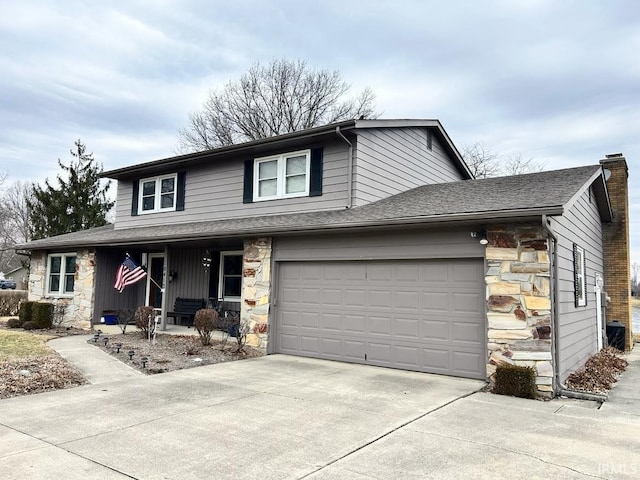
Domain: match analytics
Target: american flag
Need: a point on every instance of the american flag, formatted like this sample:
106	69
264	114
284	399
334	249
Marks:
128	273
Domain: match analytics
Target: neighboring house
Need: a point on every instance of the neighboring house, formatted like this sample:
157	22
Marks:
365	241
20	275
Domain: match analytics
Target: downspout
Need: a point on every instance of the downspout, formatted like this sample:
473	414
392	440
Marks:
559	387
349	167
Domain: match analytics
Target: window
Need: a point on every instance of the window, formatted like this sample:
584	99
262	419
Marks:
61	273
157	194
579	269
230	285
282	176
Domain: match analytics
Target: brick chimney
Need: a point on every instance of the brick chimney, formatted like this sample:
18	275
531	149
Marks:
617	270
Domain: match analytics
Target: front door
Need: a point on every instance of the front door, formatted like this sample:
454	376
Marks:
155	280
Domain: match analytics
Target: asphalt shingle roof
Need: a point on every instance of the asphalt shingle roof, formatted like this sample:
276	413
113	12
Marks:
529	194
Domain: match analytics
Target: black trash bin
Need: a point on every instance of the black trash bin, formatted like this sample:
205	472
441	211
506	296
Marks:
616	335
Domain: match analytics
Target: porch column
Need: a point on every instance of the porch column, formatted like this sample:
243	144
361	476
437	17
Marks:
256	290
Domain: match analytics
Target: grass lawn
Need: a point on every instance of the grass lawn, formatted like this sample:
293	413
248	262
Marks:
21	344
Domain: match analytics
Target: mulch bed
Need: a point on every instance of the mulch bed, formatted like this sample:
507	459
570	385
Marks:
171	352
599	373
30	375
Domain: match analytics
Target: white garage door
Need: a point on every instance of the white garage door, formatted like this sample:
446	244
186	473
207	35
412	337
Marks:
425	315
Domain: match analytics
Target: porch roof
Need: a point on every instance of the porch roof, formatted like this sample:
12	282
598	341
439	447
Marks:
510	198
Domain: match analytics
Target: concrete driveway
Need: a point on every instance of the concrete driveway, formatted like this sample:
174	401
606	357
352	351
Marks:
288	417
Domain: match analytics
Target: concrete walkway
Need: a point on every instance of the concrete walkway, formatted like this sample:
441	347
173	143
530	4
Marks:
625	394
97	366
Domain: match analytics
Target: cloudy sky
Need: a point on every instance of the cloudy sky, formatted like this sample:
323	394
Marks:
556	81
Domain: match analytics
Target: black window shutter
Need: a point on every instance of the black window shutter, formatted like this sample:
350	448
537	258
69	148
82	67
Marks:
584	274
182	177
315	180
134	198
248	182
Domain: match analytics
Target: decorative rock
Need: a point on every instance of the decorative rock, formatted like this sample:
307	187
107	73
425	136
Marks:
515	277
496	358
536	303
529	267
502	303
509	335
501	239
497	253
535	244
531	356
543	256
544	369
25	373
528	256
541	286
504	288
501	321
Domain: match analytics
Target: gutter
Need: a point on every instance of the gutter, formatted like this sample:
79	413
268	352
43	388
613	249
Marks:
350	168
557	385
284	229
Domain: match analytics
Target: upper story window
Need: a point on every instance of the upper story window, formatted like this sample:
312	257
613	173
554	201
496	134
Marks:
579	272
61	274
158	194
282	176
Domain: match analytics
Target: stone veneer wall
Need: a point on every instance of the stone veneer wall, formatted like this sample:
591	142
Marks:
519	301
79	307
256	290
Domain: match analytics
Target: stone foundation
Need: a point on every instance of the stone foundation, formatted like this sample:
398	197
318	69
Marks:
519	302
256	290
79	307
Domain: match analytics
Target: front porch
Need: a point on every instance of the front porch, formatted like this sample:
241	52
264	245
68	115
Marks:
233	274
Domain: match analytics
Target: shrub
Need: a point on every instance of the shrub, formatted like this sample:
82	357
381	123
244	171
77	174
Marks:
30	325
515	381
125	317
26	309
10	301
145	321
42	314
205	322
59	310
14	323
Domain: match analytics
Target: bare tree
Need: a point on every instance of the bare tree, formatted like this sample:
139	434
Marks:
481	160
635	278
14	223
514	164
484	162
281	97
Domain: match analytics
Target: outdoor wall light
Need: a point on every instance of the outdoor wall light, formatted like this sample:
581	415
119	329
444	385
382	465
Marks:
173	275
482	235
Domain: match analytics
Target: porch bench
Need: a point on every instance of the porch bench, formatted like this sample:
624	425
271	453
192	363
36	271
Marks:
185	308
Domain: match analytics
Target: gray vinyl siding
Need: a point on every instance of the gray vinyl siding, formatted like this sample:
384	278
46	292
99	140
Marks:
408	244
192	282
393	160
215	191
577	326
106	297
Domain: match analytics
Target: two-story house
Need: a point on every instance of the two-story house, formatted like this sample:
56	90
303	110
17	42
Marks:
365	241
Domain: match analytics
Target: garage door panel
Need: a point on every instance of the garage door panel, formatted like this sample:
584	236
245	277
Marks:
407	300
379	326
406	327
418	315
435	301
355	324
331	321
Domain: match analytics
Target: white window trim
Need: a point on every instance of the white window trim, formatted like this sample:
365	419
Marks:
581	275
158	181
221	296
60	293
281	176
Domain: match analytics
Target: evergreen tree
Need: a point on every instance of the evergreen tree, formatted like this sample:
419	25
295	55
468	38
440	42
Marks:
78	202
